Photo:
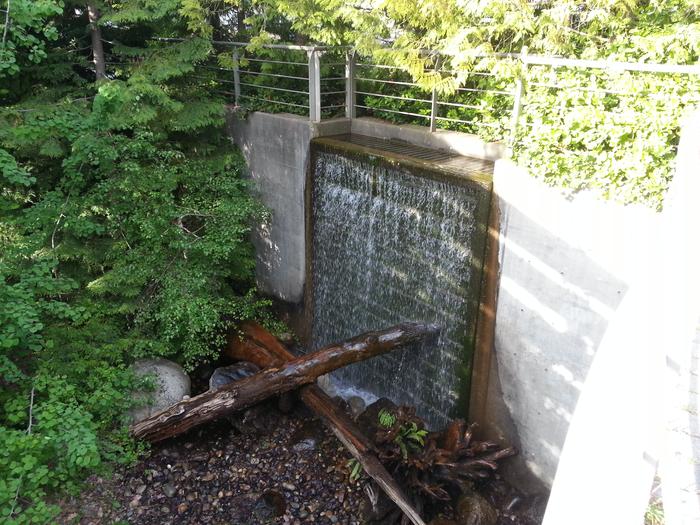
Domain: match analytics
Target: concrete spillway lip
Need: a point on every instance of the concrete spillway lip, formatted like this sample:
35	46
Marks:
457	167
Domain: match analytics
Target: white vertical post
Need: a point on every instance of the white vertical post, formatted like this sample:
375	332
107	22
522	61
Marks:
350	84
434	101
236	79
518	99
314	86
433	110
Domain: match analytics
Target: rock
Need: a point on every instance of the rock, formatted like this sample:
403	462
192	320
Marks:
326	385
228	374
169	490
357	406
201	374
368	421
304	445
171	385
268	506
473	509
442	521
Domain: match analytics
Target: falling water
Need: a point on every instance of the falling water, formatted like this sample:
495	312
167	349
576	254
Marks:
390	245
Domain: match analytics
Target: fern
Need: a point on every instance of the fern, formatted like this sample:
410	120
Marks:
386	418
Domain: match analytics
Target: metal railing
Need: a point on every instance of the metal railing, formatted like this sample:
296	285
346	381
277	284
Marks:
323	82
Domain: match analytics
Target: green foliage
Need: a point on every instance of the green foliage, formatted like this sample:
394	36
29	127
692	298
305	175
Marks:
26	28
654	514
410	439
124	215
355	468
614	133
397	438
619	144
124	233
386	418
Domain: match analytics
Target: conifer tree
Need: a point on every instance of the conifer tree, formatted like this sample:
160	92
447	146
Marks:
124	223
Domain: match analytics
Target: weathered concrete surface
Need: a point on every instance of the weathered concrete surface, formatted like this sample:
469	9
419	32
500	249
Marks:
276	148
461	143
642	379
566	263
598	305
680	458
679	468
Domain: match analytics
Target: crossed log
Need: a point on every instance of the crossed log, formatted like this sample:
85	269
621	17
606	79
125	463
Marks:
263	349
284	372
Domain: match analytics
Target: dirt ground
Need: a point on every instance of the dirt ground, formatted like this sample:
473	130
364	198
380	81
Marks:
268	467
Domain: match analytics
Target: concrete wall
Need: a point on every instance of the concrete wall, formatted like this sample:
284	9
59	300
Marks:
276	148
442	139
565	265
642	386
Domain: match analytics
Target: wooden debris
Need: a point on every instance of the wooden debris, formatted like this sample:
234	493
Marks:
238	395
257	345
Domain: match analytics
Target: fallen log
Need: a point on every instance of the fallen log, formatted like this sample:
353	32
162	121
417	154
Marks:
264	350
238	395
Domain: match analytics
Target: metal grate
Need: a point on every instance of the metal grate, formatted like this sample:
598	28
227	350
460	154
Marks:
444	160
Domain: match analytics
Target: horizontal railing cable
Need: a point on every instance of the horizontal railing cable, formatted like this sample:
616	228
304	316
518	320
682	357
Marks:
387	89
275	101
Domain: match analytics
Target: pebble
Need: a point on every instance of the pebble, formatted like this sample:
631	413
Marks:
217	474
305	445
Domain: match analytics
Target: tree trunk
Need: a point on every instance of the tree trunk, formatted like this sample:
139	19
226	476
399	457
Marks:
238	395
240	20
98	53
261	348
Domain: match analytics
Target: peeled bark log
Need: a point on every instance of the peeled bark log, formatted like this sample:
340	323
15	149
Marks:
238	395
261	348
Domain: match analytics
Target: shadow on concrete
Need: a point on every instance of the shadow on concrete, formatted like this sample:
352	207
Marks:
554	306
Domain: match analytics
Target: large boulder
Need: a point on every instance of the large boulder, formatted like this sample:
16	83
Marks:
171	382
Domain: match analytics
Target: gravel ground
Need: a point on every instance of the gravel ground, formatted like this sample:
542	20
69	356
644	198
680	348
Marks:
268	467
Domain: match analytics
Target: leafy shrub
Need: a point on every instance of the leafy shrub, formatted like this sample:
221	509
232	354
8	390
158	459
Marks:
124	233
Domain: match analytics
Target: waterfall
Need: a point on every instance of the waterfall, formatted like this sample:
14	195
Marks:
392	243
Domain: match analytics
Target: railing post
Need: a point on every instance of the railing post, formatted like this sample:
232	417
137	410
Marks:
433	110
518	99
434	101
236	79
314	86
350	84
